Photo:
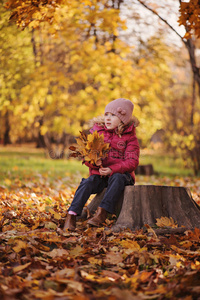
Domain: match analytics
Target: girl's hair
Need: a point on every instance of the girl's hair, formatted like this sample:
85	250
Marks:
121	127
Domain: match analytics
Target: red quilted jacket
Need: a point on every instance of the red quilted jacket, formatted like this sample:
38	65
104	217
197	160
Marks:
124	153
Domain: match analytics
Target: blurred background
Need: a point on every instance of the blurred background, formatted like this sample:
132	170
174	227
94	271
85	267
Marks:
61	62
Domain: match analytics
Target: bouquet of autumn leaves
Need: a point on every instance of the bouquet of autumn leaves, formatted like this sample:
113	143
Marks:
90	148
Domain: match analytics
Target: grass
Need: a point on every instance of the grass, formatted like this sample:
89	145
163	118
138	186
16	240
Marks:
165	164
25	163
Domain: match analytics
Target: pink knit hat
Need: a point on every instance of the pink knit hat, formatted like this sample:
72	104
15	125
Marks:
122	108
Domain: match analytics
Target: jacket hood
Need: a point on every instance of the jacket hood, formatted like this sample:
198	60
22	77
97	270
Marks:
101	127
99	122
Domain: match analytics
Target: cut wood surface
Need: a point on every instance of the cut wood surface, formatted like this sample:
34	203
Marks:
143	204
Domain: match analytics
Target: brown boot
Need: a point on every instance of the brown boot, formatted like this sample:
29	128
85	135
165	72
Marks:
70	222
99	217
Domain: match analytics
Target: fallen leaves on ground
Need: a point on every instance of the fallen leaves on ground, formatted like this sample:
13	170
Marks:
40	261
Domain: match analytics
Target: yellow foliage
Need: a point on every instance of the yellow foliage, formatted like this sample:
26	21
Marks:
43	130
189	17
74	74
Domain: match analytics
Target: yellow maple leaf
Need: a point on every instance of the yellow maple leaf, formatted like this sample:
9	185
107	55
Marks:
166	222
90	148
133	245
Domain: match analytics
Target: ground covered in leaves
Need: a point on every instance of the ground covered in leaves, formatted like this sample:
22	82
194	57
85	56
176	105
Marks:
40	261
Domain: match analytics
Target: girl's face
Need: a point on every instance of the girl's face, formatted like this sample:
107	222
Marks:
111	120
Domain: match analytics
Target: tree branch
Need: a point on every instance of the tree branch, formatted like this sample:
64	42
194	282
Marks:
162	19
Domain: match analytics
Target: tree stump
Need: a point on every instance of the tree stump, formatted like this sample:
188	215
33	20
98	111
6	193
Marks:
143	204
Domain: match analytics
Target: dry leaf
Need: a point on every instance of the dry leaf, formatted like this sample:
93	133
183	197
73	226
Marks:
95	261
77	251
55	214
131	245
166	222
20	245
58	253
21	267
50	225
113	258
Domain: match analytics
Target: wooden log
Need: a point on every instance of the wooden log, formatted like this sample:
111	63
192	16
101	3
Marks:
143	204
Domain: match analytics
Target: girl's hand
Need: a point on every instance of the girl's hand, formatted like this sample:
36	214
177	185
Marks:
105	171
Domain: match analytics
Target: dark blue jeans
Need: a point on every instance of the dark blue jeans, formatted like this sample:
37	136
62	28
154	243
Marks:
95	184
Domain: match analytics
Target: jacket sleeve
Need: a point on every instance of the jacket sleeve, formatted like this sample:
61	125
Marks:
131	158
91	166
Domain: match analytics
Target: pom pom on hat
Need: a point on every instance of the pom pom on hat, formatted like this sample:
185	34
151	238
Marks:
122	108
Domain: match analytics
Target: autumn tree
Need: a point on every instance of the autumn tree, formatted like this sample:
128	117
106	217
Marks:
186	139
81	63
16	65
75	70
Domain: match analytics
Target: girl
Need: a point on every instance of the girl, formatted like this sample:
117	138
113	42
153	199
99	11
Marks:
115	171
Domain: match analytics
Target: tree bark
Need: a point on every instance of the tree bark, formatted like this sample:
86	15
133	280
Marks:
143	204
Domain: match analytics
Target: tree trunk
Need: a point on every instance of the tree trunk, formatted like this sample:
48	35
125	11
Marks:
145	170
6	138
143	204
